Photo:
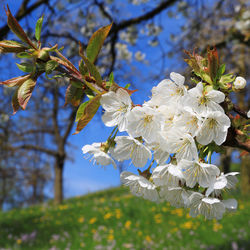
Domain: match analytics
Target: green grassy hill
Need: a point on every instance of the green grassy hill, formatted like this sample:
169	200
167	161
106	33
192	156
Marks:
114	219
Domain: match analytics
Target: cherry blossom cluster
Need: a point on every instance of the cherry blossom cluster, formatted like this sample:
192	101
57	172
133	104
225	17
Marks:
173	136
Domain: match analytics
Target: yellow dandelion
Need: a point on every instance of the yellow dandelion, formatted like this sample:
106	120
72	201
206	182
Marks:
217	227
158	218
127	224
153	208
92	220
107	216
81	219
148	238
110	237
93	231
241	206
164	209
82	244
173	230
118	213
187	225
178	212
139	233
102	200
18	241
188	216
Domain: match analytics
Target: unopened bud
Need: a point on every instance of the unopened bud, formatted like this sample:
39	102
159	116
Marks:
239	83
43	54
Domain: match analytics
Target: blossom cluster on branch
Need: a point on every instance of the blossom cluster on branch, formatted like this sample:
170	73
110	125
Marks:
177	129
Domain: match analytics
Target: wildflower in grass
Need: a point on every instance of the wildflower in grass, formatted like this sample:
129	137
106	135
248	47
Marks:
158	218
92	220
117	106
107	216
98	154
18	241
81	220
217	226
187	225
148	238
127	224
110	237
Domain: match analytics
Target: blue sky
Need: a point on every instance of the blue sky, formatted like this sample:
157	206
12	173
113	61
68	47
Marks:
80	176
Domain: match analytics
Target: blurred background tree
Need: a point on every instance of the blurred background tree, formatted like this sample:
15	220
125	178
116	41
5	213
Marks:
145	44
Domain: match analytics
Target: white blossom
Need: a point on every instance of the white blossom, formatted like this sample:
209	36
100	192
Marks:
117	106
230	204
202	101
140	186
209	207
214	128
127	147
198	172
169	92
168	175
97	154
176	196
182	144
144	121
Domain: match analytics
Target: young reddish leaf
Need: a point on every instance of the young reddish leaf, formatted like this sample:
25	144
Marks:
73	95
96	42
213	63
16	81
7	46
88	113
15	103
17	29
25	91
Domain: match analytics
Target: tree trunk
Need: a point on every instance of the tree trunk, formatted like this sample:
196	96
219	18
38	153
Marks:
58	183
226	161
245	175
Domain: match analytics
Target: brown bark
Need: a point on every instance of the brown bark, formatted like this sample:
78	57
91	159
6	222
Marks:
58	183
245	175
226	161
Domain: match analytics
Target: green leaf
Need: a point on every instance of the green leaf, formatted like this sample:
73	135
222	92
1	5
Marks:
26	67
25	91
50	66
77	84
83	68
80	111
93	70
96	42
39	24
24	55
127	86
17	29
73	95
89	112
222	70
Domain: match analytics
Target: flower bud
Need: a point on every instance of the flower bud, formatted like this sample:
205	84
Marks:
239	83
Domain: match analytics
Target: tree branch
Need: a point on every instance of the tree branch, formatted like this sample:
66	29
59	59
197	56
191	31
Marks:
21	13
